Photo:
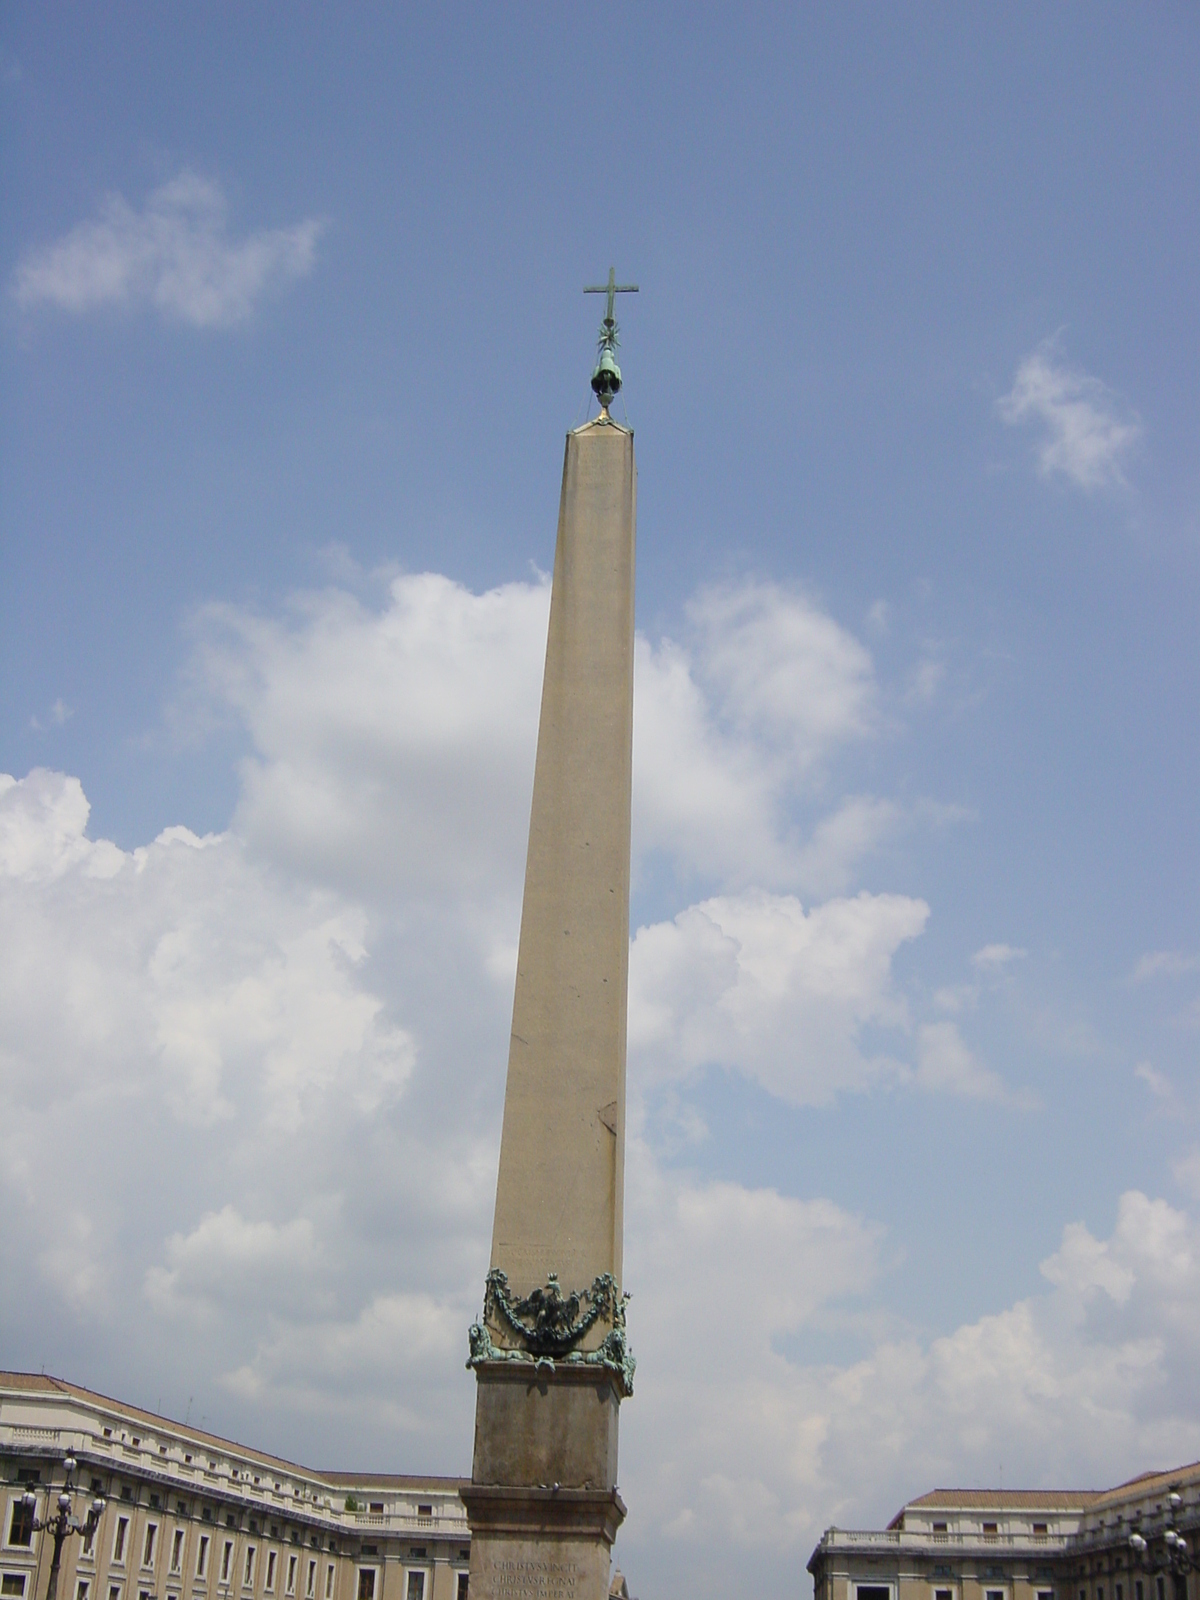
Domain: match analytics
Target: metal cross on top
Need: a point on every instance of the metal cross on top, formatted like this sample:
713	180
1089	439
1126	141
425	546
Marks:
606	380
611	288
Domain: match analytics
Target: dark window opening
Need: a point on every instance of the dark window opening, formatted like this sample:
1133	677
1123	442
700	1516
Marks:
20	1529
366	1584
463	1580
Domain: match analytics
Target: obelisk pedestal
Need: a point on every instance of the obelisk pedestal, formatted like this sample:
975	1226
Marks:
549	1352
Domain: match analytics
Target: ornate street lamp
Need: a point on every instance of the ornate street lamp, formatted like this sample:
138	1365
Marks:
1166	1551
61	1523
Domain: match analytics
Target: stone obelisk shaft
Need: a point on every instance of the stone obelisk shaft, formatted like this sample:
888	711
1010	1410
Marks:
559	1194
542	1503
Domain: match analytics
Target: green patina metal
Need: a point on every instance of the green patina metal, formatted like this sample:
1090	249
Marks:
606	379
550	1325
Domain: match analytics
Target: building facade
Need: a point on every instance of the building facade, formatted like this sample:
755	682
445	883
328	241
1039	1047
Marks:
189	1516
1140	1541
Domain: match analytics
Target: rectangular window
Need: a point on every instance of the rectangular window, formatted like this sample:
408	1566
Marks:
177	1550
416	1586
990	1530
1160	1588
874	1591
995	1594
1099	1591
940	1527
148	1547
226	1558
366	1583
119	1539
424	1511
202	1557
13	1583
1040	1530
464	1579
291	1583
114	1591
375	1507
1137	1591
20	1529
943	1594
329	1582
248	1574
310	1588
1119	1592
81	1589
270	1583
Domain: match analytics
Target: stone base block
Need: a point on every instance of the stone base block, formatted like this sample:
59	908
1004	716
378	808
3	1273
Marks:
545	1428
541	1544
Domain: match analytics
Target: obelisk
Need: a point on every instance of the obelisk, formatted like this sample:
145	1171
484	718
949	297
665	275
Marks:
549	1352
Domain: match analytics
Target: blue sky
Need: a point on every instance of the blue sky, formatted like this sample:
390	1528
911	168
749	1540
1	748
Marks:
292	332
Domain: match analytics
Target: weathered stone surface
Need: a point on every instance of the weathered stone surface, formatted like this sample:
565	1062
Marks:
558	1427
559	1196
541	1544
543	1505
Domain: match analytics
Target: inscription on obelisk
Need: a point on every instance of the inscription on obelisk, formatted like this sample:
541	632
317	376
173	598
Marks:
549	1352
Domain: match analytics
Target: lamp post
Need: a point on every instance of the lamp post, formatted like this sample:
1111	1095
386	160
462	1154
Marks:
60	1523
1166	1551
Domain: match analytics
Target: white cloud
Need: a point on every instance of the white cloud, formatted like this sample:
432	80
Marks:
270	1065
779	665
176	254
994	957
754	983
1084	436
945	1063
427	709
229	1258
1166	964
1187	1172
737	1439
1159	1085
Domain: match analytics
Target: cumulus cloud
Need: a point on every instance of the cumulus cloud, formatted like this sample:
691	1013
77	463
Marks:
227	1257
740	1440
1166	964
995	957
427	709
393	749
945	1064
755	983
270	1065
175	254
1085	436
